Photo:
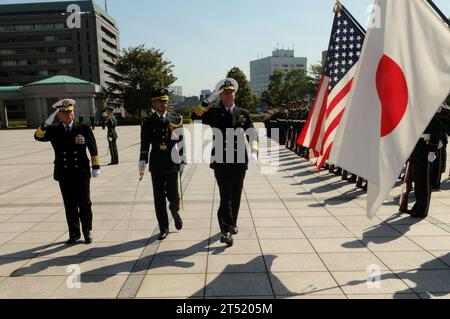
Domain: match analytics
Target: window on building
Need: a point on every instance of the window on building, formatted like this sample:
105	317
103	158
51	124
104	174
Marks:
7	52
65	61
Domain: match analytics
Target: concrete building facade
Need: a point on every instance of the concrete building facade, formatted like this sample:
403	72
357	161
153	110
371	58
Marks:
262	69
40	40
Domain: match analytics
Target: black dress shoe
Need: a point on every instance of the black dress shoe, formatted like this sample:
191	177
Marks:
352	179
179	224
88	238
163	236
227	239
235	231
72	240
414	214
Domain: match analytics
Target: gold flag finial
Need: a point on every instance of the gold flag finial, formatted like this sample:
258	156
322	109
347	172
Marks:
337	7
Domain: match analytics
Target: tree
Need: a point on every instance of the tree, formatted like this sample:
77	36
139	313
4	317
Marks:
140	72
295	86
315	74
274	94
244	97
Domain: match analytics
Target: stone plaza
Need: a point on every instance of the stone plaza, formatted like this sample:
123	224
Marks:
302	235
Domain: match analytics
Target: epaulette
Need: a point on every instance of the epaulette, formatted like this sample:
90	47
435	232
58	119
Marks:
176	121
200	110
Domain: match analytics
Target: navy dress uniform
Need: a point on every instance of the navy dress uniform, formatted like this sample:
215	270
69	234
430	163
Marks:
229	162
440	167
166	160
70	142
111	123
423	158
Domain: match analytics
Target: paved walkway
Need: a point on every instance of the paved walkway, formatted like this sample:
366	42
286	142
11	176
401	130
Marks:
301	235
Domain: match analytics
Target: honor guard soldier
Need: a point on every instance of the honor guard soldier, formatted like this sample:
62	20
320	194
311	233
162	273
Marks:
440	167
229	162
111	123
70	141
423	158
161	131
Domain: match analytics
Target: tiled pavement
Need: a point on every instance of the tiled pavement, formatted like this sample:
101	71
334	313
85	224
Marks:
301	235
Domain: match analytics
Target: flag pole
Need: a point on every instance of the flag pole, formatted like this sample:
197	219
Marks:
338	7
439	12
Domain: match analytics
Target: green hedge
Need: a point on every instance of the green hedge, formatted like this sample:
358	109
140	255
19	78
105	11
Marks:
257	117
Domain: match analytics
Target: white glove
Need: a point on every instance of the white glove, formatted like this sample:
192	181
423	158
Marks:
110	139
95	173
253	158
50	119
432	157
441	145
141	168
214	96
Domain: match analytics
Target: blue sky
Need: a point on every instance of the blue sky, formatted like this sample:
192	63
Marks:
204	39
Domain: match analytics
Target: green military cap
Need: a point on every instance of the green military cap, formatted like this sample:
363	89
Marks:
161	94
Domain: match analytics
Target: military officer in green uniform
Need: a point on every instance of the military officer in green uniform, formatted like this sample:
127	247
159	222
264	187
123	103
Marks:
111	123
229	157
70	140
162	131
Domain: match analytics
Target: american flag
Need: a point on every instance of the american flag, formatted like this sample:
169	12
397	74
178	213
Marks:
347	37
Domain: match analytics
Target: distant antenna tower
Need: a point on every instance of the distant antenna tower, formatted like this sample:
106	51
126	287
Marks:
106	5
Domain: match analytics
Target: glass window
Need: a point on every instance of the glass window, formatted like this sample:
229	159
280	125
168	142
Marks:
7	52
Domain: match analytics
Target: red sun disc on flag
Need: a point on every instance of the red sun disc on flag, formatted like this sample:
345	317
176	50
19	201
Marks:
393	92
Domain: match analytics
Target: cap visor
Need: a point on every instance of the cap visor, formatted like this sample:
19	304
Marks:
67	108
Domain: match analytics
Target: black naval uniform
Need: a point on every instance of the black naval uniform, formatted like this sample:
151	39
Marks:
111	123
72	171
229	169
441	166
423	168
157	132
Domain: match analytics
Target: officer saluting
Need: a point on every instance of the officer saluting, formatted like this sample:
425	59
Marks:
72	171
161	130
111	123
229	162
